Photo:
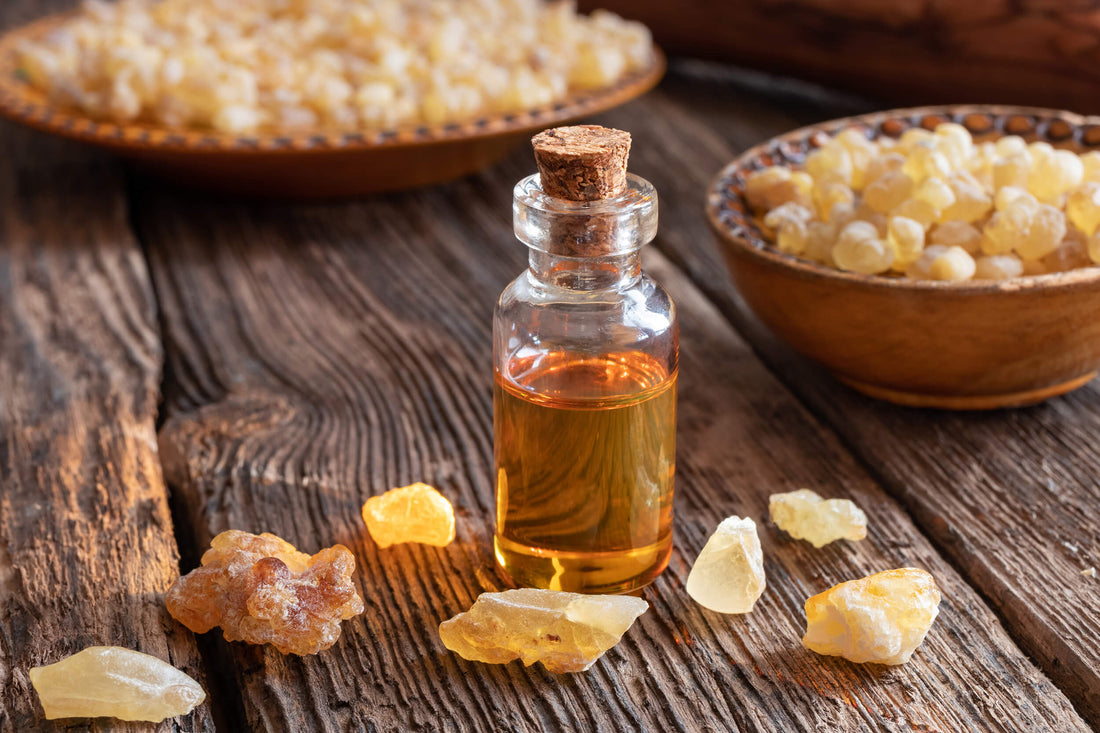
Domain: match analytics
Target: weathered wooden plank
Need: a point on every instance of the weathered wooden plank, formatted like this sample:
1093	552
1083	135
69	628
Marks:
86	542
321	354
909	51
1010	496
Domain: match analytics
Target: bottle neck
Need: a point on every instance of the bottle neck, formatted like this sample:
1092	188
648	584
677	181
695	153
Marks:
610	272
585	246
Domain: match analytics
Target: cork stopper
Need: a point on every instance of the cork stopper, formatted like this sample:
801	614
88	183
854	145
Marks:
582	162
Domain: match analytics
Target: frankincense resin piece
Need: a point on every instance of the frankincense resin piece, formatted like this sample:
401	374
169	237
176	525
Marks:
567	632
728	575
260	589
414	513
806	516
112	682
882	618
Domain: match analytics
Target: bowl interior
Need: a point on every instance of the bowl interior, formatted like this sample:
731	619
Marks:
732	218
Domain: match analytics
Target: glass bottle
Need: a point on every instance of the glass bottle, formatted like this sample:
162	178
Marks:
585	349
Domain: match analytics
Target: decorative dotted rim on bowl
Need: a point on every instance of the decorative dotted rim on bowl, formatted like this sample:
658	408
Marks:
731	216
26	105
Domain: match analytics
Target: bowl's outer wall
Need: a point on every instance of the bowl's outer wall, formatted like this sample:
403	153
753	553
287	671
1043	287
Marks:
927	342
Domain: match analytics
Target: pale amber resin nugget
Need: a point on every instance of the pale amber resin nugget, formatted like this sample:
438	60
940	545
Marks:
414	513
805	515
882	618
260	589
728	575
567	632
112	682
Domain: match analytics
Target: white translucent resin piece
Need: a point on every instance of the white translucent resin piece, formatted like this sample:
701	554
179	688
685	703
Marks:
110	681
805	515
728	575
882	618
567	632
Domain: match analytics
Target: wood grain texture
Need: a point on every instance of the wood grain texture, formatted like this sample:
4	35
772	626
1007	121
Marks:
318	355
1010	497
1037	52
86	542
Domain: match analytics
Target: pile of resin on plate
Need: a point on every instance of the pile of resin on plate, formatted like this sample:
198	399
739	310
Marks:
728	575
414	513
806	516
241	65
260	589
112	682
882	618
567	632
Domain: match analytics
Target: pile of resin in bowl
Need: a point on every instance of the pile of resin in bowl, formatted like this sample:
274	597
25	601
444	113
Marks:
935	205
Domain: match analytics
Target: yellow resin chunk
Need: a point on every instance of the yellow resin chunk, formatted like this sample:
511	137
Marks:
998	267
881	619
567	632
805	515
772	187
112	682
954	264
728	575
414	513
860	249
1083	207
907	238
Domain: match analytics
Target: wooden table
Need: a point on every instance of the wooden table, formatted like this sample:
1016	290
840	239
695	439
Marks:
172	366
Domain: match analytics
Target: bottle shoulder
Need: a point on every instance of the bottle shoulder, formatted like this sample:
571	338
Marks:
526	289
637	312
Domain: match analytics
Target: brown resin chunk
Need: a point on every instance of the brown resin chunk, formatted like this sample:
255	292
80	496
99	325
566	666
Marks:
261	590
582	162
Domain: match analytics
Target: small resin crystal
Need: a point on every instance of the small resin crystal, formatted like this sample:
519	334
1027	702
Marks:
415	513
261	590
806	516
112	682
882	618
567	632
728	575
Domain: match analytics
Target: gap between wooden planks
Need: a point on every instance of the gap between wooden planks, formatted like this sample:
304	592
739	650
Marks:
1010	497
317	355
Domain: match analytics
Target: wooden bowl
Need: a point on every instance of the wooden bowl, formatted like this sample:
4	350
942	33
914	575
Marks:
302	164
971	345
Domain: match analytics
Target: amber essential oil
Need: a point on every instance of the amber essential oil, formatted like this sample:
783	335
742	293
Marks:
585	458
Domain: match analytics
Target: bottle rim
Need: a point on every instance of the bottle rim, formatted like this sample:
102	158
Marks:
605	227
